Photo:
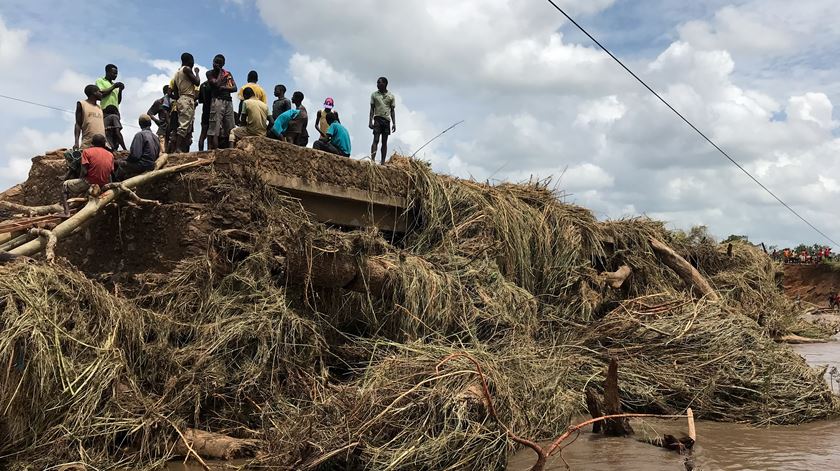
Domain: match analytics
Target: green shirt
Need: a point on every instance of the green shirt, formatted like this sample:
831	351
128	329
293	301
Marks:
112	98
382	103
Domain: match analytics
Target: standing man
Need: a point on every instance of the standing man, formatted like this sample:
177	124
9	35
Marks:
281	104
383	119
252	84
221	114
89	119
185	83
111	91
253	119
159	113
206	100
144	151
337	139
297	133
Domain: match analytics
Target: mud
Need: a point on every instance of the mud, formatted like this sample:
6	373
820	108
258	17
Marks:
811	283
720	446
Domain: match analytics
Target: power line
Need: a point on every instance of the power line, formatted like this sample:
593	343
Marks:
740	167
433	139
21	100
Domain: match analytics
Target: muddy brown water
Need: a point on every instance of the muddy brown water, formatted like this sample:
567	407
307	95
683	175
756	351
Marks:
720	446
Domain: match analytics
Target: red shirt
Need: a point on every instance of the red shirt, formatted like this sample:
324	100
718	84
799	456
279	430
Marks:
99	163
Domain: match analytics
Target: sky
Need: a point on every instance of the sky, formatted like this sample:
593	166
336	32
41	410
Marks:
538	99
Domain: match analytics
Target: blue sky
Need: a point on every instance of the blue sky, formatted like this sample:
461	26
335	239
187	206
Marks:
538	99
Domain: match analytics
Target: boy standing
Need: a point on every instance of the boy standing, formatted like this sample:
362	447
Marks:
297	133
383	119
221	114
113	128
185	83
281	104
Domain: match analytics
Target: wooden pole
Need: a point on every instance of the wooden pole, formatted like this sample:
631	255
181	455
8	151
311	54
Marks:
692	433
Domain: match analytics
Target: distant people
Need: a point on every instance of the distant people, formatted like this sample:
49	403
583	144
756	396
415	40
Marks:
185	85
159	113
111	91
89	118
144	152
337	139
280	127
222	85
254	117
205	98
281	104
383	119
97	164
297	133
321	123
259	93
113	128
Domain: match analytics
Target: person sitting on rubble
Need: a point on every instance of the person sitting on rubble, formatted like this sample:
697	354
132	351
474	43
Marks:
253	119
97	164
144	151
297	133
337	139
280	127
113	128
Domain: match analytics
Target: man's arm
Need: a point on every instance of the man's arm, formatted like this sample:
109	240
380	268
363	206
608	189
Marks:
153	112
77	130
393	119
370	119
318	123
231	85
191	76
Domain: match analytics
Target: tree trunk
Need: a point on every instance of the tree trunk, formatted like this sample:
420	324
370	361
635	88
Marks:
683	269
612	404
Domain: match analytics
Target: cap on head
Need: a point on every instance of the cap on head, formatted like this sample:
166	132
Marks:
329	103
98	140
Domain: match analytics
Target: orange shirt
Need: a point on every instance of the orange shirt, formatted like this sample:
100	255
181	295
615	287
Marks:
99	163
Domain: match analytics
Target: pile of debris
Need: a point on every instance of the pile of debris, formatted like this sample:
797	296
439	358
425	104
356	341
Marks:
241	315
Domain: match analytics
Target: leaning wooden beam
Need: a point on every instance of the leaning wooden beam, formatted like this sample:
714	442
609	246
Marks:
683	269
33	210
617	278
51	242
95	205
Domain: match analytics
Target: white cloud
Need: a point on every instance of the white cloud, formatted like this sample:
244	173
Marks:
12	41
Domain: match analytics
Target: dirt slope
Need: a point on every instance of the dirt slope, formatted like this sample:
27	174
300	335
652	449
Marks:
812	283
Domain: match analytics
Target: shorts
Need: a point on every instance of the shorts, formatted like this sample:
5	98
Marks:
77	186
221	118
186	115
381	126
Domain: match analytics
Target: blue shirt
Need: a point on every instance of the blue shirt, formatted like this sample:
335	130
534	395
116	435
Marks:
281	124
339	137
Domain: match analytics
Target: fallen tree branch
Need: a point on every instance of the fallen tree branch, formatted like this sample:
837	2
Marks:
95	205
52	241
215	445
683	269
617	278
542	453
33	210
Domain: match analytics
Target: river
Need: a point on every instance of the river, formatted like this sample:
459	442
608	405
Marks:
720	446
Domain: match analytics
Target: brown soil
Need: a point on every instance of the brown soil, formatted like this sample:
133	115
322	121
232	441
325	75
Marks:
811	283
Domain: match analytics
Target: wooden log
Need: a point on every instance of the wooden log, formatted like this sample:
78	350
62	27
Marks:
617	427
33	210
617	278
683	269
215	446
692	432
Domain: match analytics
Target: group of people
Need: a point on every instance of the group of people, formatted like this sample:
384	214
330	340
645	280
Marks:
812	255
98	129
